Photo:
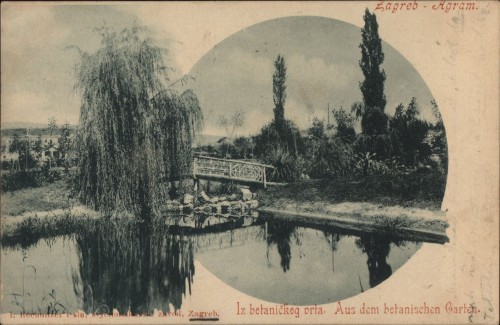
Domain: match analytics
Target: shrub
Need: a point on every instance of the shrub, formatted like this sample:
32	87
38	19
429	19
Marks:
408	133
287	168
6	165
13	181
381	144
17	180
329	157
285	135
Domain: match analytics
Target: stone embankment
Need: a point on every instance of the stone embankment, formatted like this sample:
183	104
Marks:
233	204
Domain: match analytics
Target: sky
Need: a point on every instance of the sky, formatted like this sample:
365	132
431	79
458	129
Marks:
321	56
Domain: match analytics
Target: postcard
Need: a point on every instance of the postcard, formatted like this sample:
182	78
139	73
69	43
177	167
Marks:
250	162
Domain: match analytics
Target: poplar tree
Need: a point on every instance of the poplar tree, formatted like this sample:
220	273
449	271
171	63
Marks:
373	118
279	90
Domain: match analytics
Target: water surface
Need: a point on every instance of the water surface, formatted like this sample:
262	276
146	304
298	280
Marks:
103	264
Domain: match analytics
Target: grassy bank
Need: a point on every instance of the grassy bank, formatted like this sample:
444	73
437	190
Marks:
397	204
46	198
29	230
385	203
423	191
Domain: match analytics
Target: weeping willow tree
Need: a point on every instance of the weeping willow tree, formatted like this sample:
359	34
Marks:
135	130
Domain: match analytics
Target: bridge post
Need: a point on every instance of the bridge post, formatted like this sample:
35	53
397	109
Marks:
264	176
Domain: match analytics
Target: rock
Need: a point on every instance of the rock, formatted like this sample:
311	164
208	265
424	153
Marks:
254	196
254	214
169	208
207	209
204	197
253	204
173	202
246	195
186	221
188	199
247	221
215	199
233	197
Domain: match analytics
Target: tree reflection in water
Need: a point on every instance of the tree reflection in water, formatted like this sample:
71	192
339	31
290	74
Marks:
333	239
377	248
133	266
141	266
280	233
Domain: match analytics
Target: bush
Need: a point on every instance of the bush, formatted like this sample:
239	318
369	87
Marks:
333	158
408	133
287	168
286	135
13	181
380	144
6	165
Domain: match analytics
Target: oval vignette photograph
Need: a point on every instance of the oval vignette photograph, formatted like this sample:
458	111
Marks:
356	150
302	161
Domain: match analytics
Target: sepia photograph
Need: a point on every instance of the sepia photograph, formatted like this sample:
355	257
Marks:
249	163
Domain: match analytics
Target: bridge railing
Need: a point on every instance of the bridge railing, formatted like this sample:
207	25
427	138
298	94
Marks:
237	170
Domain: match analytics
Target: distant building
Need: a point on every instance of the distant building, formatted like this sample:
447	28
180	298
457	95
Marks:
50	142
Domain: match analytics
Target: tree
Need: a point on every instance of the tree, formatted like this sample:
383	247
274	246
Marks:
52	125
47	147
317	130
436	138
65	145
237	120
136	131
280	134
279	90
408	133
26	151
37	148
327	155
373	118
243	145
344	125
272	137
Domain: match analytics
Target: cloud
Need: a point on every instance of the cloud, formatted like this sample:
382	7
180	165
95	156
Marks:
26	28
240	66
22	105
233	80
35	107
230	79
320	77
313	84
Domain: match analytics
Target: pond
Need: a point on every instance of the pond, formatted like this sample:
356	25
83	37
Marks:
98	265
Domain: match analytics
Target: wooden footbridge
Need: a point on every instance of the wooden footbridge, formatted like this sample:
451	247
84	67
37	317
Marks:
239	171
